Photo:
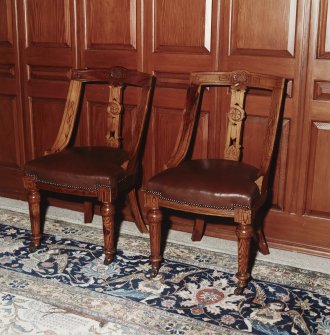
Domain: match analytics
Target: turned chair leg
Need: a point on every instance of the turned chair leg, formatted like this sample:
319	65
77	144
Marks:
154	217
262	243
132	196
107	212
34	209
244	233
88	211
198	230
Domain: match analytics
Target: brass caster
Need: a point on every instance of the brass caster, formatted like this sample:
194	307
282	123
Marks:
33	248
152	273
107	261
239	290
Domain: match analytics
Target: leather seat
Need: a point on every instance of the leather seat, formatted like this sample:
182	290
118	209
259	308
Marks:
208	183
80	167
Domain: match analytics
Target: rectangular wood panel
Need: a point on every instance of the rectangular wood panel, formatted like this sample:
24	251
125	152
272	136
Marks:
274	35
49	73
11	115
7	71
177	28
319	170
6	26
110	33
8	131
110	24
323	45
48	30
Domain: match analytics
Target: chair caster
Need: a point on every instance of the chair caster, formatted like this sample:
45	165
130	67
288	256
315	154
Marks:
152	273
107	261
33	248
239	290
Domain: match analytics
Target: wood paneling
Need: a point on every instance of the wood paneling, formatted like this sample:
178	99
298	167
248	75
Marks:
48	73
46	116
110	33
48	53
110	24
166	127
274	35
51	32
9	149
274	45
321	90
319	173
11	116
179	29
323	47
288	38
6	25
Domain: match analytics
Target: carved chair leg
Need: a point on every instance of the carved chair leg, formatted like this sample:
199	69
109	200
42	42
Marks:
34	209
198	230
132	196
262	243
107	212
244	233
88	211
154	217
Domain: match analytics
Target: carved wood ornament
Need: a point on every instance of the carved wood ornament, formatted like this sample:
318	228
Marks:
235	115
114	117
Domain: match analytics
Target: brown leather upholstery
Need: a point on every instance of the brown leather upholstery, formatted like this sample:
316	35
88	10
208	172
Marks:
80	167
212	183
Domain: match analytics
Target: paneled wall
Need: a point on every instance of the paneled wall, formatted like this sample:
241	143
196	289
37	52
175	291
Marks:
40	41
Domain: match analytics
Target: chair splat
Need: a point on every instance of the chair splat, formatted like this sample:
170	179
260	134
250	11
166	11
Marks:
236	115
114	116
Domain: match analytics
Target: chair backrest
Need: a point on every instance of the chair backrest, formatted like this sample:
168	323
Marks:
239	83
117	79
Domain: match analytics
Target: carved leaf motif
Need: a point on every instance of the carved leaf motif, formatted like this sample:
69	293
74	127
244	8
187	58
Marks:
232	153
236	113
114	108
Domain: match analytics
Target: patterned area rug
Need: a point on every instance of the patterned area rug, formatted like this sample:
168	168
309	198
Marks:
64	288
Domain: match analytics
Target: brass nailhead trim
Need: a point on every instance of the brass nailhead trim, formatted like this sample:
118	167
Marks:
160	196
86	188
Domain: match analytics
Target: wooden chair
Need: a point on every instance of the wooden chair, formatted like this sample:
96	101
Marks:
102	172
218	187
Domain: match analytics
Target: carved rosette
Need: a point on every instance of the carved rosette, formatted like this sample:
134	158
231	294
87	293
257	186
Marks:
117	72
239	77
236	114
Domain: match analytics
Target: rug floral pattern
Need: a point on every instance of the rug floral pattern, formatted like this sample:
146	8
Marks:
193	293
